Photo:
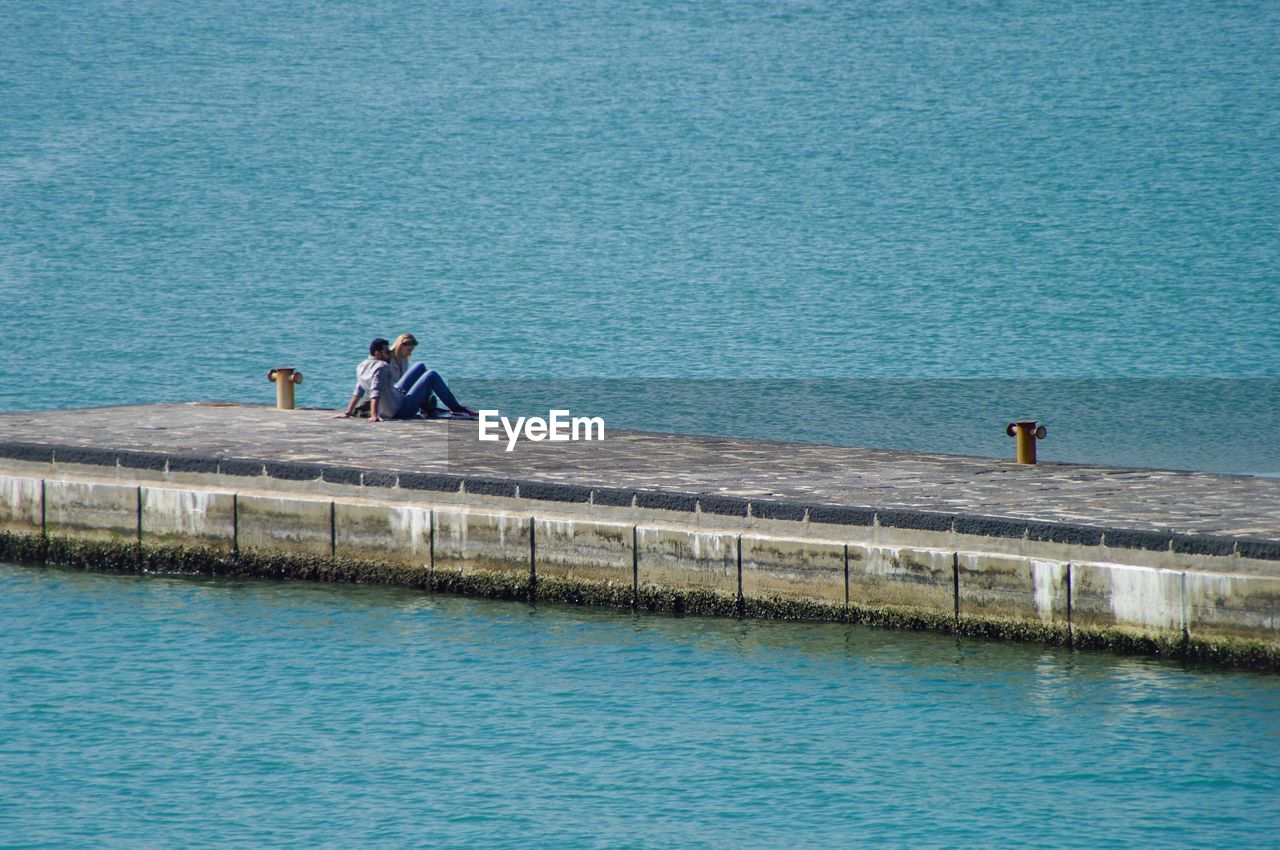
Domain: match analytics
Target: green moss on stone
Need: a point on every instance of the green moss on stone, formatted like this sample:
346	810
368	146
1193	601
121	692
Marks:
704	603
1025	631
1168	645
1233	652
108	556
131	557
894	617
22	548
487	585
778	608
577	592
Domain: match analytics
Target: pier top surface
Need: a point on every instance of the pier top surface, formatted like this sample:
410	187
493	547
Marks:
1142	500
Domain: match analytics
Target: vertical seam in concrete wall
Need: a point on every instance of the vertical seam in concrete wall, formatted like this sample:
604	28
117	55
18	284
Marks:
846	578
1071	628
1186	620
533	555
741	603
431	540
955	582
635	566
137	506
44	513
333	530
137	515
235	524
739	546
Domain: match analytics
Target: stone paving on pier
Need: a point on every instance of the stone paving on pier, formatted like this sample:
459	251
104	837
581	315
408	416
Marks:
1177	502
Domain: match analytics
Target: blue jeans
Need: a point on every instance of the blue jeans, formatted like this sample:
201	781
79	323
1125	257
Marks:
418	385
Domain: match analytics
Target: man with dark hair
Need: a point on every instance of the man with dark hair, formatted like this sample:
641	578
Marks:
373	379
399	399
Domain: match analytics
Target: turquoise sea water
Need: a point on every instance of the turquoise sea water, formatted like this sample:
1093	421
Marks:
888	224
150	712
768	192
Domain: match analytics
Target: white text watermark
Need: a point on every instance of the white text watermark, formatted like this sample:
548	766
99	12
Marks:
558	427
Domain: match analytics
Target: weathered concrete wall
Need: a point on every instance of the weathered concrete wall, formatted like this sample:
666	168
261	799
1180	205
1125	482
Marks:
1116	596
1231	606
201	518
21	505
288	526
91	510
379	532
772	561
687	559
581	550
902	577
467	540
1006	587
794	569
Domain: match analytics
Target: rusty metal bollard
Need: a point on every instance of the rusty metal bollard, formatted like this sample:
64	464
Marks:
284	377
1027	433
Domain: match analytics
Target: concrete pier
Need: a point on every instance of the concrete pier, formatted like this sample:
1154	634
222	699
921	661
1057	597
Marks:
1172	563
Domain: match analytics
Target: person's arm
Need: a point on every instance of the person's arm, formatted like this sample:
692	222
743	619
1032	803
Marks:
380	375
356	395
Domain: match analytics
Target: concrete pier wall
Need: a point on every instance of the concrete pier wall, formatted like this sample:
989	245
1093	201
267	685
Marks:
1052	589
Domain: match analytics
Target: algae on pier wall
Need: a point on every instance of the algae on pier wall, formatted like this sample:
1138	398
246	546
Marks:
101	555
625	556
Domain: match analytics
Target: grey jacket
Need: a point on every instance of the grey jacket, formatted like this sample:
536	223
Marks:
374	377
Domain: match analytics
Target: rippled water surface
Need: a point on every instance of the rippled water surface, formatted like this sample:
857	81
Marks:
153	712
192	193
867	223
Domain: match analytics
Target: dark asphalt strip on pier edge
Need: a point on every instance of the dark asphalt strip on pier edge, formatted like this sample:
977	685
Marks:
1119	538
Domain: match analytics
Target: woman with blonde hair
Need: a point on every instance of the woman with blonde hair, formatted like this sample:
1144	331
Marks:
417	383
401	351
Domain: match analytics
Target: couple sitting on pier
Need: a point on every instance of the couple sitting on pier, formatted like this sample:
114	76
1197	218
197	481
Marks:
398	390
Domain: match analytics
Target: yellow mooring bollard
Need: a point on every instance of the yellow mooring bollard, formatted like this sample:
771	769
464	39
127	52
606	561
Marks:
1027	433
284	377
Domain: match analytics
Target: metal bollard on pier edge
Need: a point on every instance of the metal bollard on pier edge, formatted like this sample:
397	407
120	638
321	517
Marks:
284	377
1027	433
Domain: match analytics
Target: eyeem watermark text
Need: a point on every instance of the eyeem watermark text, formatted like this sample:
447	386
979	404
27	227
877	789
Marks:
558	427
